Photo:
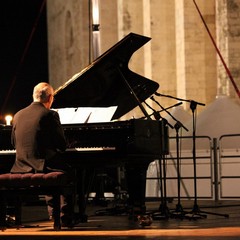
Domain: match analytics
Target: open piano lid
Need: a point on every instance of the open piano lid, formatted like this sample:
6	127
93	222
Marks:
108	81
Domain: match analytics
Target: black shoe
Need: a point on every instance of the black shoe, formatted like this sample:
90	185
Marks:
71	222
67	222
80	218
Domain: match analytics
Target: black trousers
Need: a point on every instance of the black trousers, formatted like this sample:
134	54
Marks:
67	199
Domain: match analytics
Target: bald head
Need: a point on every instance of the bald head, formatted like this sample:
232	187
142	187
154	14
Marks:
43	92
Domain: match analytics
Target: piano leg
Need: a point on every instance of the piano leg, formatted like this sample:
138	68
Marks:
136	183
100	177
81	193
136	187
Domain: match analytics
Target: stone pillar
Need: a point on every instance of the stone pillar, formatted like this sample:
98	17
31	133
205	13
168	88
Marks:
163	50
131	20
134	16
196	57
228	38
68	39
108	23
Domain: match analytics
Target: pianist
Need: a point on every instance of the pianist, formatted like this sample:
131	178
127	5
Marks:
39	139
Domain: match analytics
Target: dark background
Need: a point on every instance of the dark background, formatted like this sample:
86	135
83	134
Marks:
24	55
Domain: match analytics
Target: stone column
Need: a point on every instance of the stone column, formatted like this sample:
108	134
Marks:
196	57
134	16
163	48
68	39
228	38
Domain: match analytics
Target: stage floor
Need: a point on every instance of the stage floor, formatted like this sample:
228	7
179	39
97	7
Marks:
213	225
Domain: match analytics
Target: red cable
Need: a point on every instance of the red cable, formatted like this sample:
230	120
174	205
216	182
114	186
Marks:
223	62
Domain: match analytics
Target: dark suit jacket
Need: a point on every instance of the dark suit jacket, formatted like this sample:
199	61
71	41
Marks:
37	136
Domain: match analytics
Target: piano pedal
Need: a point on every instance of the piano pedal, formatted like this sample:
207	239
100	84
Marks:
134	213
144	220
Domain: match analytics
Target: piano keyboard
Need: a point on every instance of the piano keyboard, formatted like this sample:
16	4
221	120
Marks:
6	152
83	149
80	149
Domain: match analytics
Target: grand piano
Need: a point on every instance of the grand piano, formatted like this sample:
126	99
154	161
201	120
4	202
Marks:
133	143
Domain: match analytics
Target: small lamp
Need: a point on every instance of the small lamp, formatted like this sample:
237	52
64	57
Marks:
8	119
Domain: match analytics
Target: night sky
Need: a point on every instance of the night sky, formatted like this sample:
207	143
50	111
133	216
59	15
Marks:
24	57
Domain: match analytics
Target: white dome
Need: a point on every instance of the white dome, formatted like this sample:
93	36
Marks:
221	117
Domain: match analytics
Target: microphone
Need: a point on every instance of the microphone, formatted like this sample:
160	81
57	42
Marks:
177	104
163	109
193	103
158	94
155	113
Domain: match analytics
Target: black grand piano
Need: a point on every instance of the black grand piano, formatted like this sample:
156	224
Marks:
133	143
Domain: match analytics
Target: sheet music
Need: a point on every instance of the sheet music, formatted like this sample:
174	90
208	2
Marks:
86	114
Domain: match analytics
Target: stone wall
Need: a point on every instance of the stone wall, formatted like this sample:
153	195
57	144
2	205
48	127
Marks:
228	38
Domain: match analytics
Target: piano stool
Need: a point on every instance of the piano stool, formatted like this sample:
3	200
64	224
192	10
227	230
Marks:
21	184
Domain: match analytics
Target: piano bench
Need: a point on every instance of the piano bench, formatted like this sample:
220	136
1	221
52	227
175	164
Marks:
20	184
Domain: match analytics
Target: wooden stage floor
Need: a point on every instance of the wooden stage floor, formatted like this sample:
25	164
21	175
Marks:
213	226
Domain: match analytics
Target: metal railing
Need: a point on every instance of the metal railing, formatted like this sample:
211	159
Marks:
229	166
217	164
204	166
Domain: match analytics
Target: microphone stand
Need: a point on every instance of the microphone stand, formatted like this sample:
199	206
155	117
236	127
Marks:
196	212
179	212
163	212
155	113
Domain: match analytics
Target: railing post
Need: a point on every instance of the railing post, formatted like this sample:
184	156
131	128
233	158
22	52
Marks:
215	169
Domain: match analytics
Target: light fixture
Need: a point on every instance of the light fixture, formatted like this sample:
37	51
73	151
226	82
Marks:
8	119
95	29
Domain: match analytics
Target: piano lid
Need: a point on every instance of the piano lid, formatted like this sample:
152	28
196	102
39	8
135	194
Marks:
108	81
